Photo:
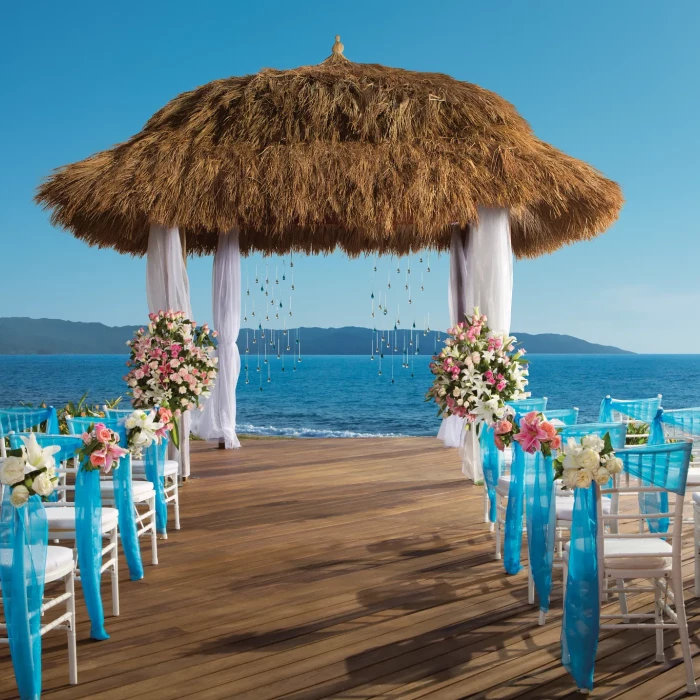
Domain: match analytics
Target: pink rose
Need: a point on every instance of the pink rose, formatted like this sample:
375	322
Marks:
86	438
97	458
103	434
556	442
503	426
499	443
548	429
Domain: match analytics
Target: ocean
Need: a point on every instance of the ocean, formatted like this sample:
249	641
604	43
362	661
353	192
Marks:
344	396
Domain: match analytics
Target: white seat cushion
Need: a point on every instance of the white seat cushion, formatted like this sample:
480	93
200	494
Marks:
565	507
59	561
632	548
503	484
693	476
63	518
696	497
169	469
142	490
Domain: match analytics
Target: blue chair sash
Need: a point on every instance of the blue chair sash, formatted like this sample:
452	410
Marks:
687	419
637	409
123	493
581	621
492	463
513	536
154	461
541	522
23	418
23	545
655	502
88	540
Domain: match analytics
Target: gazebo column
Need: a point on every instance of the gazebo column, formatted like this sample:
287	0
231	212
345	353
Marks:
481	274
218	419
168	288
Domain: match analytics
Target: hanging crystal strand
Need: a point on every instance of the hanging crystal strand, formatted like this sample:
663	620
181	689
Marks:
422	287
436	339
283	354
290	303
424	327
291	259
284	270
272	337
398	315
428	323
371	349
292	287
258	369
278	349
252	313
247	346
247	282
417	343
428	269
412	365
388	281
269	373
381	356
295	356
265	348
299	342
257	280
410	301
245	311
393	353
277	279
408	272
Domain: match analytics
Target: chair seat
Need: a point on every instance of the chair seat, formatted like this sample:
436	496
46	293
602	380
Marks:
696	497
141	490
632	549
59	562
565	507
503	485
169	470
63	518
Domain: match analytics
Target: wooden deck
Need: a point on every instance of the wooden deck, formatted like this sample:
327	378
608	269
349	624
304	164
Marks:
338	568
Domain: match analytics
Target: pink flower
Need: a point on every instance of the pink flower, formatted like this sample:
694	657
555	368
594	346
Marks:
498	442
531	433
86	438
97	458
102	433
549	429
501	385
503	426
556	442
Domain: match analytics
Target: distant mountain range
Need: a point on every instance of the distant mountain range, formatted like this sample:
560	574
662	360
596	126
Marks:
44	336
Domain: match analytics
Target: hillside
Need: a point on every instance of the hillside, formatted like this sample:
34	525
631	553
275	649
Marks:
42	336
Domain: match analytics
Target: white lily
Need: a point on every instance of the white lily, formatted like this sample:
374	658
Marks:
36	456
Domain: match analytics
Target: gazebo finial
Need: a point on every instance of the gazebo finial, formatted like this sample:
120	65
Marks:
338	47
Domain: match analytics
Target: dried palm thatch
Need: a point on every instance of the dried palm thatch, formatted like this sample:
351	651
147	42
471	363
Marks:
341	154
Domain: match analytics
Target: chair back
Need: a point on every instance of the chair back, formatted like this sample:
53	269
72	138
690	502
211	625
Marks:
652	472
681	423
117	412
567	416
527	405
69	445
618	432
24	419
79	424
628	410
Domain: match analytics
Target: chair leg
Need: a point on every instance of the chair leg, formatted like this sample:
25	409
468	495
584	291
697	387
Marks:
622	598
696	548
154	533
677	585
176	508
486	506
114	556
72	649
530	585
658	619
497	527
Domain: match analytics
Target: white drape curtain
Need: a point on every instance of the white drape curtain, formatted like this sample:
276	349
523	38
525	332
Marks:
167	287
219	417
481	274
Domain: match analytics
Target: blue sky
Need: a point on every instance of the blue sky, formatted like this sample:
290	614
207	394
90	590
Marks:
613	83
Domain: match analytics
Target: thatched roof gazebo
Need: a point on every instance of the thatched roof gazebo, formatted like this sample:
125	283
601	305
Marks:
344	155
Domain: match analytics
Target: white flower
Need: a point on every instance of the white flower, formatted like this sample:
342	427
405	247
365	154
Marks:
602	476
183	390
130	422
12	470
588	459
613	464
38	457
19	496
570	477
476	358
571	451
594	442
584	478
42	484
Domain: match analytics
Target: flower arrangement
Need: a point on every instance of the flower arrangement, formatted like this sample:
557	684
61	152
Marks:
142	430
534	433
580	463
31	472
100	449
171	364
477	372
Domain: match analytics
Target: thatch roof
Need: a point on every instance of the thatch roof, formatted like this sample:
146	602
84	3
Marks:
359	156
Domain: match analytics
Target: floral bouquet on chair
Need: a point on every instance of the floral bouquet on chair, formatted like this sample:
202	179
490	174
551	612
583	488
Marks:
171	364
477	372
534	433
100	449
142	430
580	463
29	471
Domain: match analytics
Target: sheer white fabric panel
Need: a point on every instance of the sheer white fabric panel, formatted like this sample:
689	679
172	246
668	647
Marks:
219	417
167	287
481	274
